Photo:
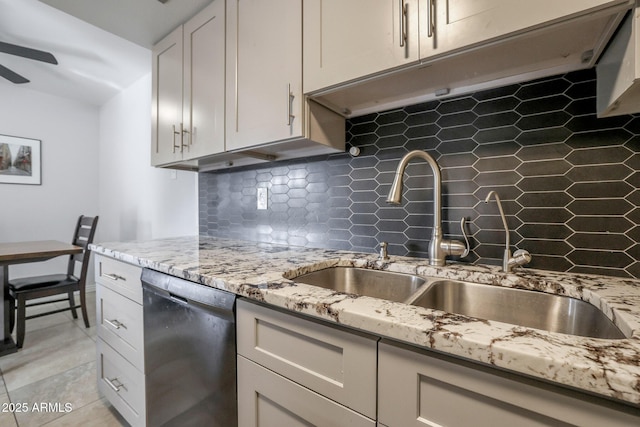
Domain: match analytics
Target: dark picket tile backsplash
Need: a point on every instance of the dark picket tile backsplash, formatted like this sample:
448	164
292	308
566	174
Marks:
568	181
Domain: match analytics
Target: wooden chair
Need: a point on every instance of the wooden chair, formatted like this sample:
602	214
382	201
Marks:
28	288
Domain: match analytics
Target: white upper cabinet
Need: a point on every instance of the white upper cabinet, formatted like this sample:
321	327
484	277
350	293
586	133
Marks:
264	72
448	25
345	40
227	90
619	71
463	46
203	109
188	89
167	99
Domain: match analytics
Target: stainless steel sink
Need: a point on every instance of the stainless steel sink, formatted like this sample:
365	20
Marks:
519	307
360	281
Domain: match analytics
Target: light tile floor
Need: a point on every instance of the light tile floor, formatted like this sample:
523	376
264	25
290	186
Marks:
52	379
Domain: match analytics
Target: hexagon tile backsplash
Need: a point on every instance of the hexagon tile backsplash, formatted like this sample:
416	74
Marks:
568	181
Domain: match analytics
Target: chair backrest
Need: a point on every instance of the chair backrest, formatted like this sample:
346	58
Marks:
83	236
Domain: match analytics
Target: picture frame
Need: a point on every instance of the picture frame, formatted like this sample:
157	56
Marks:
20	160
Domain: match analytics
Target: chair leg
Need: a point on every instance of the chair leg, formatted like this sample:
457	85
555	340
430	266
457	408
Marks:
12	313
83	305
72	304
20	318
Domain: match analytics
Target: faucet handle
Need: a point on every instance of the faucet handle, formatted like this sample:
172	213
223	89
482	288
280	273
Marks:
463	221
456	247
520	257
384	256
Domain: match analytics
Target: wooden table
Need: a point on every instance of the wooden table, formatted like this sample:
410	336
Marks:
20	253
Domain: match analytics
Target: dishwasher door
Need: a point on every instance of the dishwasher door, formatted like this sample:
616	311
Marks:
189	353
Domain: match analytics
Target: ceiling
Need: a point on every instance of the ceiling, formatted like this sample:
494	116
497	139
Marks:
144	22
102	46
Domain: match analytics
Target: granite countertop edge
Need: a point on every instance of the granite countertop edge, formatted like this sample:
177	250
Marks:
610	368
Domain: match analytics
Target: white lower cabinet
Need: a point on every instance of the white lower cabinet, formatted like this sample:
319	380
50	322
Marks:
416	388
295	371
290	367
120	324
121	383
267	399
120	351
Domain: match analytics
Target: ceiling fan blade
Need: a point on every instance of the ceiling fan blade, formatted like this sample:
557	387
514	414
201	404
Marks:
11	76
29	53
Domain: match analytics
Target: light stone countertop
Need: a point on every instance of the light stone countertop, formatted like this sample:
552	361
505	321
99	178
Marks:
255	270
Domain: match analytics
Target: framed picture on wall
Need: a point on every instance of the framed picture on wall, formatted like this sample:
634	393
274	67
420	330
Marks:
19	160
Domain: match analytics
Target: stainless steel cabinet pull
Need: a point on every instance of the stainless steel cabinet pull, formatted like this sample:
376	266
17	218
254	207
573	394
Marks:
183	131
403	22
114	276
174	138
115	324
290	98
188	135
115	384
430	18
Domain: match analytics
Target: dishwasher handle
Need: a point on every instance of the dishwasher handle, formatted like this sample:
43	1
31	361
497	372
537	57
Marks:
186	292
178	299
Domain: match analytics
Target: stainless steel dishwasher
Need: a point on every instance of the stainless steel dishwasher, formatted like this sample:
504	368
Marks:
190	353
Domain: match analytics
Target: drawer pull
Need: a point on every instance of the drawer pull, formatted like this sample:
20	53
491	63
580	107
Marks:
114	277
115	384
115	324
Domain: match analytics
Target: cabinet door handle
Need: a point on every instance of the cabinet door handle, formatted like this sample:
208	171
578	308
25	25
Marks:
114	277
175	132
115	384
430	18
403	22
115	324
181	133
188	135
290	98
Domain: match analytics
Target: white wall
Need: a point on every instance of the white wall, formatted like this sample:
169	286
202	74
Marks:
95	161
69	134
138	201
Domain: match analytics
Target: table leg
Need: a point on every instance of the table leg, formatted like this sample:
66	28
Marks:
7	345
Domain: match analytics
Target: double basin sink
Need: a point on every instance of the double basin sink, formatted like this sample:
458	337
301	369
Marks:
532	309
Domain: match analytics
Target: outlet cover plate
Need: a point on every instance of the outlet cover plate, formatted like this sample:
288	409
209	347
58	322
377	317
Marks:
262	198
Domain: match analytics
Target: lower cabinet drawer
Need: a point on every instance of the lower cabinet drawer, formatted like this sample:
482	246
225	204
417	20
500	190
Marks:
420	389
120	277
120	324
121	383
267	399
335	363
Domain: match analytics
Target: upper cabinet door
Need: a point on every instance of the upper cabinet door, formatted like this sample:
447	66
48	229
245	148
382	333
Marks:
167	100
448	25
204	68
619	71
345	40
264	72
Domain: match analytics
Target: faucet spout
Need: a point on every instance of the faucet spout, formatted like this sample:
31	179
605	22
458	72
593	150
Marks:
395	194
439	248
521	256
504	220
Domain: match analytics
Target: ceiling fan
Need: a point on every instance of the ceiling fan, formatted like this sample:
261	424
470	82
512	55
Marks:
25	52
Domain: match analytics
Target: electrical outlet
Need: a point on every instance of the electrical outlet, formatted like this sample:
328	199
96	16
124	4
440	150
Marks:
263	195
